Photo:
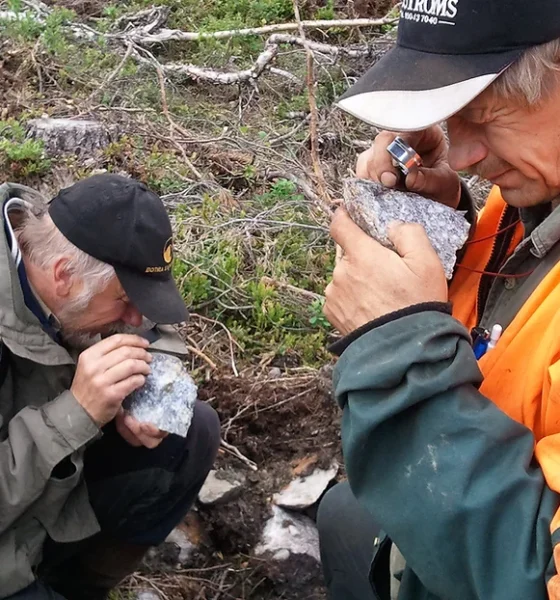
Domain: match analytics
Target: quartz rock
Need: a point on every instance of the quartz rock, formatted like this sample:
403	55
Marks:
373	207
167	398
147	595
304	492
286	533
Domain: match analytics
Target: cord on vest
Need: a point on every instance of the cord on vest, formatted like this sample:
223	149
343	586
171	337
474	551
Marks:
503	275
489	237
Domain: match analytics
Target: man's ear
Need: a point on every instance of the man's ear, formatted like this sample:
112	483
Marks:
64	280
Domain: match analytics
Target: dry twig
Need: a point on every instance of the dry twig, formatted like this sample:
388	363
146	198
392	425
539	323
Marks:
112	76
326	201
235	452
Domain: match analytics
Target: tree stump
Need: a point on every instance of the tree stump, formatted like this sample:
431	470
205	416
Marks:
67	136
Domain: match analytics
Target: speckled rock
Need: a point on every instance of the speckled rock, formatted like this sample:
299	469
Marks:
373	207
167	398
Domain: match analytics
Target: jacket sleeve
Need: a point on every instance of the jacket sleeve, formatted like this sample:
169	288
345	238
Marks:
39	439
450	478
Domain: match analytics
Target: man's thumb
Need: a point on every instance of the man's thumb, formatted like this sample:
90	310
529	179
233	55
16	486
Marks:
436	183
409	239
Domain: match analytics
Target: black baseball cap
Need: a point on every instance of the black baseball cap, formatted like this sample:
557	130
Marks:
447	53
121	222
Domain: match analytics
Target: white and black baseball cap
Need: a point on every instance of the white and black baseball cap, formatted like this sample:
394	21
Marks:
447	53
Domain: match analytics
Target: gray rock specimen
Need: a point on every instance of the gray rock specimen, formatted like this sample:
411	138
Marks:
68	136
167	398
286	534
373	207
304	491
221	486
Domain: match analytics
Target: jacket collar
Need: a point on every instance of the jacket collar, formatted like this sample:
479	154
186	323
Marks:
542	227
20	329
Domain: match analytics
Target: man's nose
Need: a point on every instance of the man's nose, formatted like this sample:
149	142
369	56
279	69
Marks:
466	148
132	316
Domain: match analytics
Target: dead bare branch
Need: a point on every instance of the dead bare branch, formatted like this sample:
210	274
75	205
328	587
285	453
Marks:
210	75
168	35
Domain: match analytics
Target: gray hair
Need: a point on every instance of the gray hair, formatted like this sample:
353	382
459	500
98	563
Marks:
42	243
533	76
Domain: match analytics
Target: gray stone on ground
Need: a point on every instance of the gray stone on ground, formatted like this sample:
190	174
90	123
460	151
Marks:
288	533
221	486
373	207
167	398
304	492
69	136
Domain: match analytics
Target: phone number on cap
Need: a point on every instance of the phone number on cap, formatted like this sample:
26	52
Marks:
418	18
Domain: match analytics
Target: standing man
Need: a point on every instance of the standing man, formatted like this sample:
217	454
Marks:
85	489
454	463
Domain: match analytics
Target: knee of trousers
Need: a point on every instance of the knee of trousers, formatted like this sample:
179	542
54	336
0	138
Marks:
332	515
203	439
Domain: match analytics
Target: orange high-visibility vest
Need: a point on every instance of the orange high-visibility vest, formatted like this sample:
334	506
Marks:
522	373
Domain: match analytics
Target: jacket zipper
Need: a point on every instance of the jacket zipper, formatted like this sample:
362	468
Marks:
497	256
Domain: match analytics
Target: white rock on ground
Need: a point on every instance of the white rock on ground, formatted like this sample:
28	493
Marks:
147	595
62	136
186	545
179	548
221	486
303	492
286	534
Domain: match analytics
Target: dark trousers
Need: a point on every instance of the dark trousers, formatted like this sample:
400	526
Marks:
346	534
138	496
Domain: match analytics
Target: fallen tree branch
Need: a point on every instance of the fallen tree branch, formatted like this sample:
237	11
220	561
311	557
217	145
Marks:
168	35
137	36
211	75
351	51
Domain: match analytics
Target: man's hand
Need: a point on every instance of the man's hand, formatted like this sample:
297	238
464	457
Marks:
136	433
108	372
371	281
435	179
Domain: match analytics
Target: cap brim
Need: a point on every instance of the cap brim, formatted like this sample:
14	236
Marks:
158	300
408	90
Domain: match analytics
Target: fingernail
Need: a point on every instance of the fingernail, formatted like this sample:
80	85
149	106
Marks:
415	180
388	179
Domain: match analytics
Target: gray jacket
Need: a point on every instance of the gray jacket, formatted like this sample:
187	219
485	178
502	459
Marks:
41	424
